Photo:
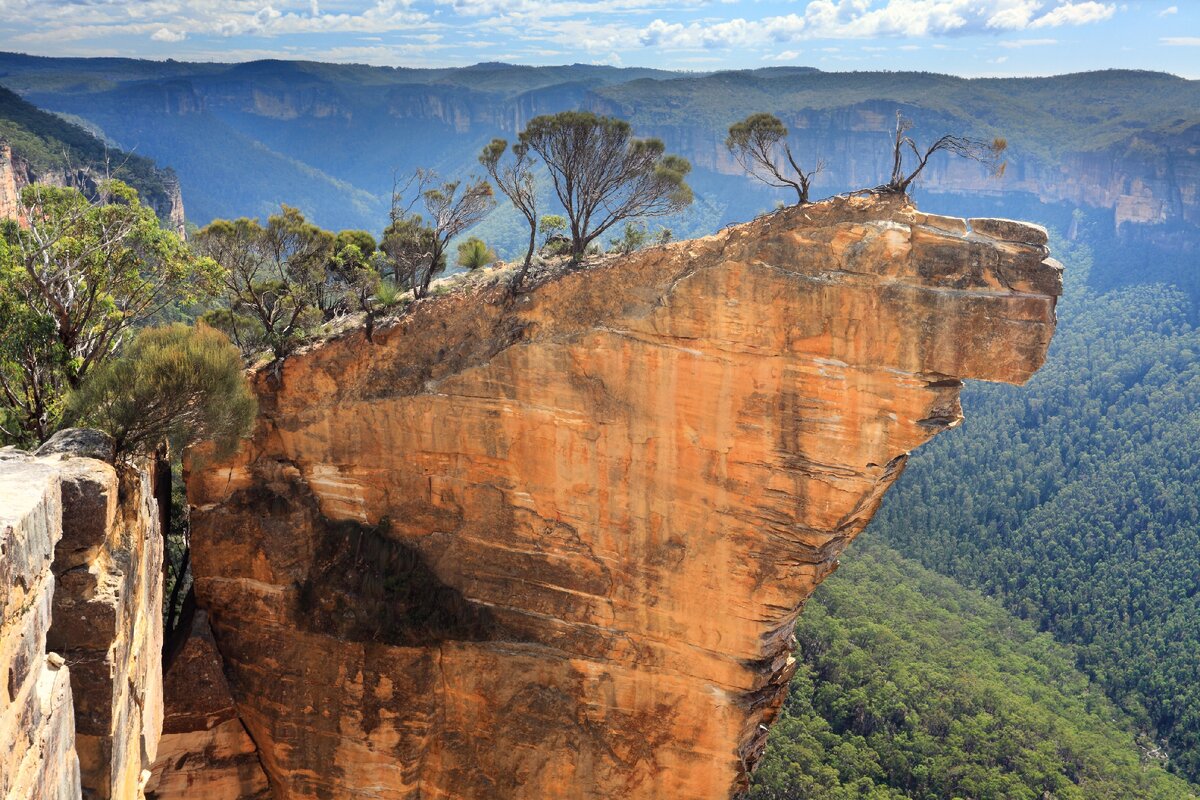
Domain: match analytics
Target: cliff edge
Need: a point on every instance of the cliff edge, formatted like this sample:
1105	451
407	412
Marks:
555	547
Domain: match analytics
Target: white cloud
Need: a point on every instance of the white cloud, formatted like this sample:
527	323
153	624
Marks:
168	35
1075	14
66	20
598	28
861	19
1169	10
1017	44
1181	41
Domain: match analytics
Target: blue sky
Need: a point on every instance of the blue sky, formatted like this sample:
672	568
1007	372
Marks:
963	37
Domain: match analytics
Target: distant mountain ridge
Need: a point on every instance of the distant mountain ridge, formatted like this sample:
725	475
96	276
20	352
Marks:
328	137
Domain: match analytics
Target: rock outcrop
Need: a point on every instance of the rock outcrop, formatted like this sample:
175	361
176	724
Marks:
14	174
98	608
37	723
555	547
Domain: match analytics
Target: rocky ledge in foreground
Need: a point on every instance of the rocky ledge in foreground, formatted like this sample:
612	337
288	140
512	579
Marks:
555	548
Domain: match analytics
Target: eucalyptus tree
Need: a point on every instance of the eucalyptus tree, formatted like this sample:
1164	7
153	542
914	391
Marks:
418	245
76	277
602	175
759	144
516	181
277	282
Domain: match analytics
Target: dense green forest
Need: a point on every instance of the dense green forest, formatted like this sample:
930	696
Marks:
1074	499
911	686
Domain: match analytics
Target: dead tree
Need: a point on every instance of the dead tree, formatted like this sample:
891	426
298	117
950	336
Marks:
990	154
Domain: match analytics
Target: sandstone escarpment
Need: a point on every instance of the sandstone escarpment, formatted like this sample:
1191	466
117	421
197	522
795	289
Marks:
555	547
13	176
37	723
97	609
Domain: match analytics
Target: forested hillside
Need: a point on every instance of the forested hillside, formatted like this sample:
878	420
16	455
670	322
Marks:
910	686
62	151
1075	501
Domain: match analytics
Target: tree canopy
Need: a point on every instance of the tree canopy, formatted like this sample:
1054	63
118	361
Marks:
276	278
759	143
73	282
602	175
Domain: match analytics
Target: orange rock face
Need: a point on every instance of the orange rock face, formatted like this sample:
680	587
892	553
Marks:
555	548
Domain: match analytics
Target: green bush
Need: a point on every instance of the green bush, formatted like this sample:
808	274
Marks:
474	253
177	384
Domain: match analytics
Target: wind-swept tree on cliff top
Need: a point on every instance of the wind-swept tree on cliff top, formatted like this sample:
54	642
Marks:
418	248
602	175
759	143
990	154
516	181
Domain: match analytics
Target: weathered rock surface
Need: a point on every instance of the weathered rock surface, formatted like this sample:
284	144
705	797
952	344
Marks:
99	608
555	548
13	176
37	724
205	751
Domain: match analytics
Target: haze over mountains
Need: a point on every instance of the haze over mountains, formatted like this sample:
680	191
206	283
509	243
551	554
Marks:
329	138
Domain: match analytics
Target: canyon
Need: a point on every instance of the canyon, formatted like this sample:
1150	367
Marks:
1135	167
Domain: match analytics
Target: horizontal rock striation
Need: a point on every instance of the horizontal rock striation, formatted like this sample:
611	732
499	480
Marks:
83	568
108	613
555	546
37	723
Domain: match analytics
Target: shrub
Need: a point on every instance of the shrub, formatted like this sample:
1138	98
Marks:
474	253
633	237
176	384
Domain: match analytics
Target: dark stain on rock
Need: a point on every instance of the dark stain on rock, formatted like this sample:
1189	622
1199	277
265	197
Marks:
365	586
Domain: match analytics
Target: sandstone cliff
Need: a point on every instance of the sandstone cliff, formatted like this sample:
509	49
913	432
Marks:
14	175
84	549
555	548
37	722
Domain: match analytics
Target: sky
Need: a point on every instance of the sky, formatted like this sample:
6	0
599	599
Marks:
962	37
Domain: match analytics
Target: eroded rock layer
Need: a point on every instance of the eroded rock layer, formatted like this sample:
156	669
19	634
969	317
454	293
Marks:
205	751
108	614
555	547
80	575
37	723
